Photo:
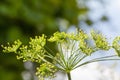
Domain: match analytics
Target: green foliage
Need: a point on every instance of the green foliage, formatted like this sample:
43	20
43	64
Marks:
72	48
41	12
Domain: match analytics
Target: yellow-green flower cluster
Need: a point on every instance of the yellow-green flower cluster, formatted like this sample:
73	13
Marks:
58	37
32	52
35	50
81	35
12	48
46	70
100	41
38	41
84	47
78	36
65	58
116	45
61	37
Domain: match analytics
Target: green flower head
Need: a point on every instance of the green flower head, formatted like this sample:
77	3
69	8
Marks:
12	48
116	45
46	70
58	37
100	41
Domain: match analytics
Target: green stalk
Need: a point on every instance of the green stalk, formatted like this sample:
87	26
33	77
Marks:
91	61
69	76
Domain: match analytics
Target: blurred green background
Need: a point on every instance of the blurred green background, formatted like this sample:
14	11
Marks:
21	19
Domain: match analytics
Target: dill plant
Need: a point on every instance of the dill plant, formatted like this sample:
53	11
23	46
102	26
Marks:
73	48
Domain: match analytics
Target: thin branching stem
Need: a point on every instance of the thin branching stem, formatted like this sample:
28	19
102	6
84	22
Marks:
57	61
62	55
91	61
75	59
79	61
105	57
